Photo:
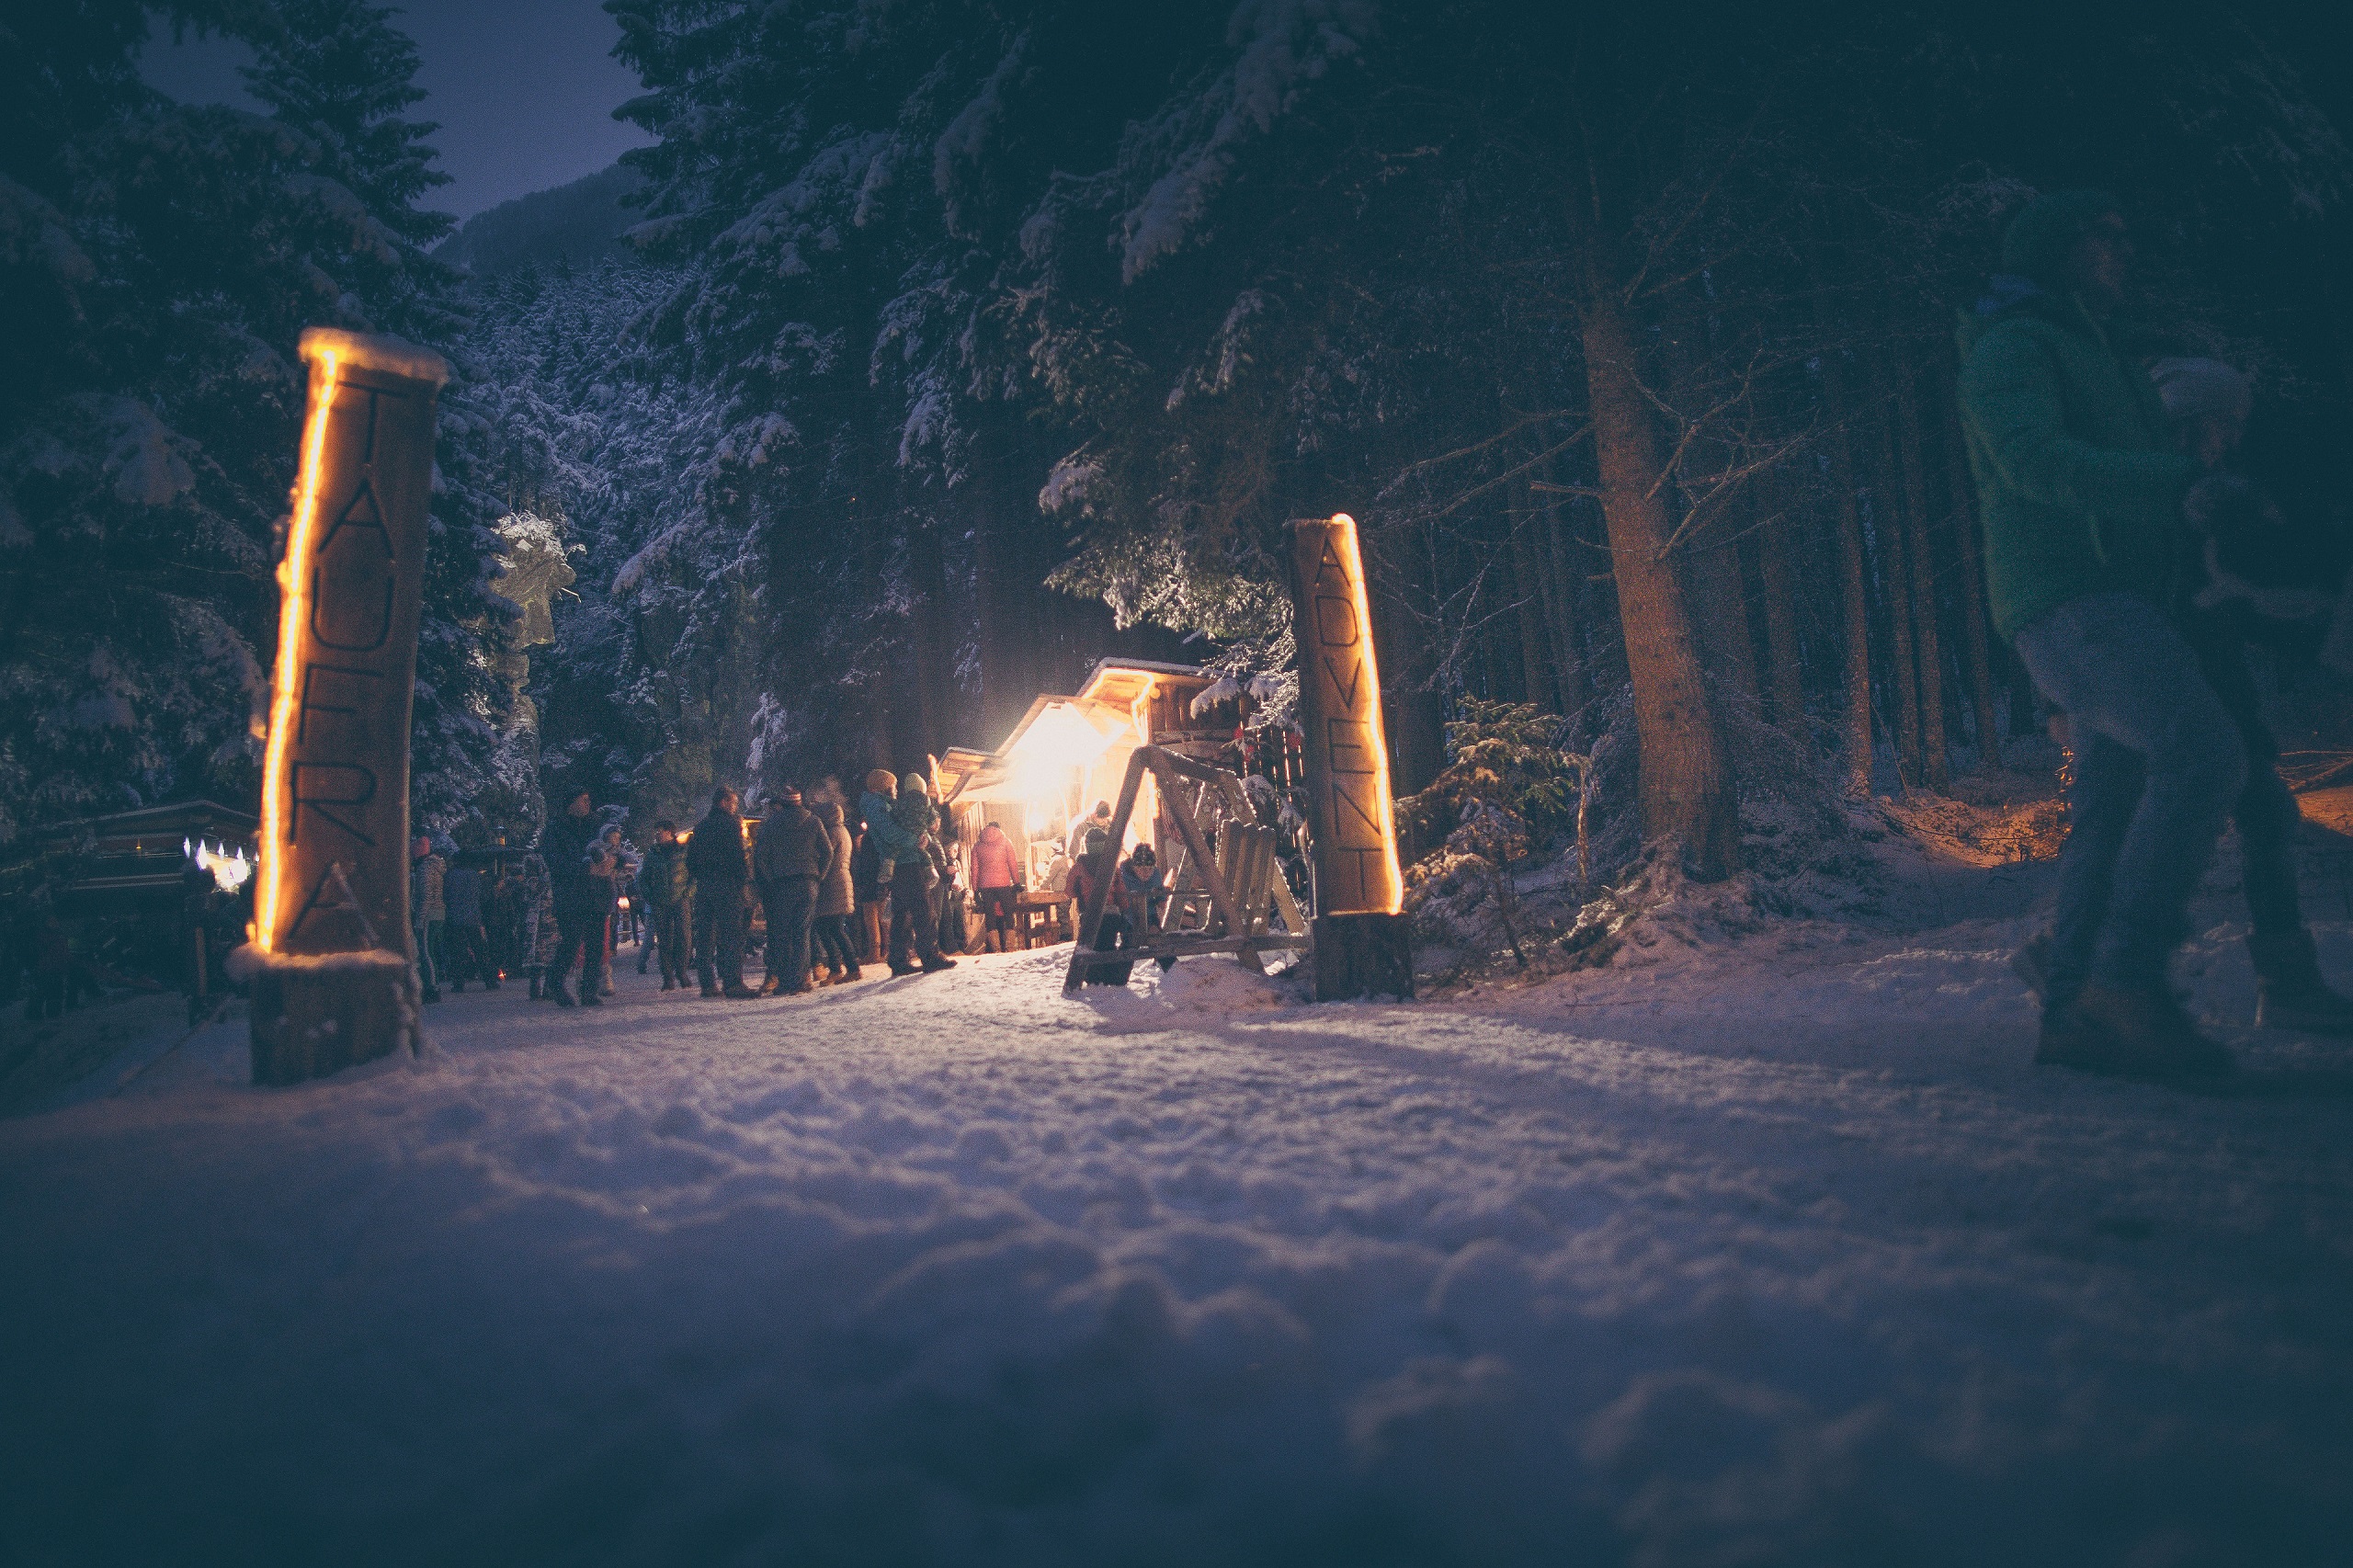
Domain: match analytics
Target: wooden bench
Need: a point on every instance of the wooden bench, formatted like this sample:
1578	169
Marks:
1221	900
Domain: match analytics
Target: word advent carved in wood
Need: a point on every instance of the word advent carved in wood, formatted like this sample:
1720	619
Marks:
333	983
1361	946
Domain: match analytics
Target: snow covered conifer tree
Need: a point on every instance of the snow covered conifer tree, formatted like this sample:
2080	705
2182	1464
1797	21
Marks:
340	72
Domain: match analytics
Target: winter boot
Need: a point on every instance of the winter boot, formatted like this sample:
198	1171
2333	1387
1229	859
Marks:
770	987
2150	1036
2289	990
740	994
853	972
432	994
535	988
562	995
936	962
2067	1038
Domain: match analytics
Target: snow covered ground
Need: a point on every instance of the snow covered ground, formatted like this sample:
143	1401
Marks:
1786	1255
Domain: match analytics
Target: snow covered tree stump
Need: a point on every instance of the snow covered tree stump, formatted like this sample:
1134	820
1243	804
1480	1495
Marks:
1363	955
333	976
313	1018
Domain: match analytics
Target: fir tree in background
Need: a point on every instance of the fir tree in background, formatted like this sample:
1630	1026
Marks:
340	72
169	257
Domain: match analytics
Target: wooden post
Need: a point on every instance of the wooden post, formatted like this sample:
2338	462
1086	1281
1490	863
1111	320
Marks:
333	975
1363	946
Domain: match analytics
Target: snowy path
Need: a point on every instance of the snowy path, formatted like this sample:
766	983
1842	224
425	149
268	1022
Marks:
1788	1259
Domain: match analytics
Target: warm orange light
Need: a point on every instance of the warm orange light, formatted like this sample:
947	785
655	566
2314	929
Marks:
1346	745
1380	728
293	586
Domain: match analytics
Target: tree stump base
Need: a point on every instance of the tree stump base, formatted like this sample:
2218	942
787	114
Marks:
315	1016
1363	955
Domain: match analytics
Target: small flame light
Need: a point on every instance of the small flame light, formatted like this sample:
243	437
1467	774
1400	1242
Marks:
230	869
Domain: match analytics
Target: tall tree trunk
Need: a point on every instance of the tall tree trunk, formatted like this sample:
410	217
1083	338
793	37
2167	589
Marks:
1687	788
1415	713
1560	566
1888	530
1975	644
933	634
1784	664
1919	538
1721	601
1002	630
1709	558
1854	583
1527	591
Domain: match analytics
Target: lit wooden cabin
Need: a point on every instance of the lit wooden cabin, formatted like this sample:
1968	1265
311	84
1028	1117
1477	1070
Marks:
1067	752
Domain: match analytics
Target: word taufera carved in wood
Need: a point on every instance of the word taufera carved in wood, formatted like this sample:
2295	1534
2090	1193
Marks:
331	928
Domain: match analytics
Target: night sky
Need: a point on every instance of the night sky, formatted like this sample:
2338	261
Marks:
524	91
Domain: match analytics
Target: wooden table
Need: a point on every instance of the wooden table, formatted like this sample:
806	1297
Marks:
1054	907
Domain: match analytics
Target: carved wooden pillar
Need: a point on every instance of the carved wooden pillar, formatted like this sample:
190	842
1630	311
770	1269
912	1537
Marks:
330	960
1363	946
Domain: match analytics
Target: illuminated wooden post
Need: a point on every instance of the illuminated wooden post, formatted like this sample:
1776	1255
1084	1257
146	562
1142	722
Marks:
331	965
1363	946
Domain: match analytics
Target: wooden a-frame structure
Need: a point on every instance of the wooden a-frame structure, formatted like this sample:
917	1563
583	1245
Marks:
1223	901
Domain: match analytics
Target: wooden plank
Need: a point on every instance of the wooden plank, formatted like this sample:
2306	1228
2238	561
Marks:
1237	800
1083	922
1248	854
1192	769
1184	948
1191	830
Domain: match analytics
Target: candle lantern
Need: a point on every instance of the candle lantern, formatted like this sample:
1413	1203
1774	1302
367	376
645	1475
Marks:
330	960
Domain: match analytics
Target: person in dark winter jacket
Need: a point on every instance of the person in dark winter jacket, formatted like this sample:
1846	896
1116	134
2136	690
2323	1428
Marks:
837	899
2081	490
668	889
871	861
427	908
502	920
2250	578
914	871
464	932
569	845
1114	926
794	855
715	859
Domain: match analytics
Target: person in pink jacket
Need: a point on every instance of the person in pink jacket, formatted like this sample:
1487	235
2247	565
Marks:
996	883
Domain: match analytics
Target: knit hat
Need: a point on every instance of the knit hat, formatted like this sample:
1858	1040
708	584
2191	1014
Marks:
2041	241
913	784
2202	388
882	783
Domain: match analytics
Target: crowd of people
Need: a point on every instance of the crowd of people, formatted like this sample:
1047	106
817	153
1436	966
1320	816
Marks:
888	884
2129	564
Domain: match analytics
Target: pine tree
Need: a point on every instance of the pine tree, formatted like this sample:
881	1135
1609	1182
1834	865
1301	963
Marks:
340	72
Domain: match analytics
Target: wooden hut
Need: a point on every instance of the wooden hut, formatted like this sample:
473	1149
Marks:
1069	751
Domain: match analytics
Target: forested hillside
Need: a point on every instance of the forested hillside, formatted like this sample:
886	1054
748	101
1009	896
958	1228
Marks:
954	346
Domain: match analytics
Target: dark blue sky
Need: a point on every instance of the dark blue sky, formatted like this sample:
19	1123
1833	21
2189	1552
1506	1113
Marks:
524	91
